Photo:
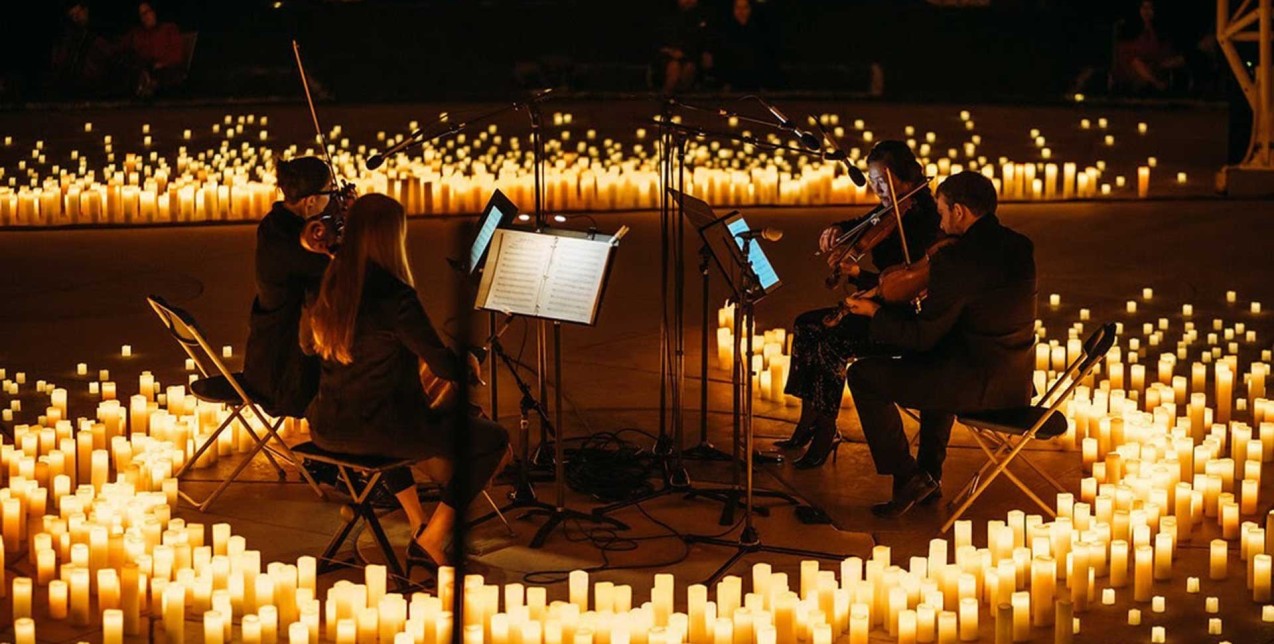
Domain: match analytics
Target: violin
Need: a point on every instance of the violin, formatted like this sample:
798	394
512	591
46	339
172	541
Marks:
855	244
900	283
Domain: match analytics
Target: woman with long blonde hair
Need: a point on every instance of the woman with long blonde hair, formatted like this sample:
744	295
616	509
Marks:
371	332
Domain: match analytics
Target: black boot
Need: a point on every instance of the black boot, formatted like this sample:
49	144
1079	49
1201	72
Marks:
803	432
826	441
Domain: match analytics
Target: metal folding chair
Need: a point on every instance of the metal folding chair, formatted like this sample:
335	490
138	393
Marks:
1003	433
218	384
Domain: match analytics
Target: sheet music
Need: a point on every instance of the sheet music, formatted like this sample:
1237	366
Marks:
544	275
570	292
523	263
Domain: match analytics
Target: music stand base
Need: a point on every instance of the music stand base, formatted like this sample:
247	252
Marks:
749	542
557	516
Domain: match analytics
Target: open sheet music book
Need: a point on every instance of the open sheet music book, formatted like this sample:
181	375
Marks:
545	275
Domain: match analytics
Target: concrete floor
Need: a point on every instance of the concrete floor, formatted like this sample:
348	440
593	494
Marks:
73	296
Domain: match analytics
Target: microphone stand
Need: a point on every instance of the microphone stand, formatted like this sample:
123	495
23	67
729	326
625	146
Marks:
669	446
749	540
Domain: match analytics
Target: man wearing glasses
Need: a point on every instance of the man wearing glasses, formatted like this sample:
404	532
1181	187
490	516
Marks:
289	268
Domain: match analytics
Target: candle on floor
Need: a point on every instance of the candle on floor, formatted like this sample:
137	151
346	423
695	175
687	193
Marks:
1021	602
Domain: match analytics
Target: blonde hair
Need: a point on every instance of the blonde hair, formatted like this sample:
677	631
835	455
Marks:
375	233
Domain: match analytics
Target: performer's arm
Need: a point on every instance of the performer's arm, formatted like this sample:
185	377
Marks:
902	327
414	330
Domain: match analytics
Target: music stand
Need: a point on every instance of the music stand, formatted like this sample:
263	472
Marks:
751	278
556	276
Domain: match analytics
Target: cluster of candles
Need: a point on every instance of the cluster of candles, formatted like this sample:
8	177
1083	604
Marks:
234	181
86	511
771	360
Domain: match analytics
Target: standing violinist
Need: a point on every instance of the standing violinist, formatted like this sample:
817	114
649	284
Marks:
289	267
967	349
821	353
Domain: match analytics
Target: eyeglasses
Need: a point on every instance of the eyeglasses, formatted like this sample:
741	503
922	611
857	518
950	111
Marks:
331	193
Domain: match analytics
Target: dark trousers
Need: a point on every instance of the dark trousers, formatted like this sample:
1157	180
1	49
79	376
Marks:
488	442
819	357
878	385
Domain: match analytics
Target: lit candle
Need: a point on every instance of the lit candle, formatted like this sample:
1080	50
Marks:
1142	577
1261	578
24	630
1063	631
22	587
1219	560
1021	602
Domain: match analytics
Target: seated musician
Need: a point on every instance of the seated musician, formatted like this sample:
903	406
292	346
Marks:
967	349
820	353
288	271
371	333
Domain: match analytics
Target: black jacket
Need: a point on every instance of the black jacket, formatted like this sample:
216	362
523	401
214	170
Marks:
375	404
274	368
976	327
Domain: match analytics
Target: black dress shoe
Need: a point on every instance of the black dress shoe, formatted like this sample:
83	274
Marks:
920	486
934	497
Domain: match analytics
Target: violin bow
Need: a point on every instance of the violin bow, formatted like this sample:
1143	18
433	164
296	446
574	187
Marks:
309	100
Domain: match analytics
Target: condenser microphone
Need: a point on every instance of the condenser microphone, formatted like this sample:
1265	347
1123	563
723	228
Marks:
768	234
811	142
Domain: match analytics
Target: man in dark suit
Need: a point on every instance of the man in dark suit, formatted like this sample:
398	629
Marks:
968	348
289	269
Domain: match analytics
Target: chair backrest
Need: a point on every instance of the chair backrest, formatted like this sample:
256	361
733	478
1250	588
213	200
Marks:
1094	350
185	331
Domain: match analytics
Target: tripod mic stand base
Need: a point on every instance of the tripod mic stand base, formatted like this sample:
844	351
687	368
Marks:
556	516
732	498
749	542
705	451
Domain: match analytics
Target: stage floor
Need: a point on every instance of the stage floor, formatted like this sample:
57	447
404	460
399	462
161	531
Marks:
77	295
72	296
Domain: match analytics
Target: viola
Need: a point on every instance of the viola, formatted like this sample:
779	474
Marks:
898	284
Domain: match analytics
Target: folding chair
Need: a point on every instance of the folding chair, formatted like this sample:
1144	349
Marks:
1002	433
359	476
218	385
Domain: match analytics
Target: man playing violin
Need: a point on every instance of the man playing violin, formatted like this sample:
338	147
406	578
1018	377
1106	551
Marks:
819	352
968	348
289	267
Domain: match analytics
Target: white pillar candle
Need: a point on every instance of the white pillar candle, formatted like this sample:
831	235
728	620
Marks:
968	619
1142	576
1261	578
79	585
22	589
58	599
1043	587
1063	629
1021	602
24	630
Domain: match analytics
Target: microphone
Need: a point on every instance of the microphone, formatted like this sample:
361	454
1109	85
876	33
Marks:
768	234
852	170
811	142
375	161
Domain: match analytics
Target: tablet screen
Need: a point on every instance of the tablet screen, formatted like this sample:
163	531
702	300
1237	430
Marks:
761	266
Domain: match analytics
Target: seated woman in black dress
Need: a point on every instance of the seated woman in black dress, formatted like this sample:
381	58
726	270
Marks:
370	331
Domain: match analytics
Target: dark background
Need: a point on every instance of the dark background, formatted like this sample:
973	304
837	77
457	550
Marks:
410	50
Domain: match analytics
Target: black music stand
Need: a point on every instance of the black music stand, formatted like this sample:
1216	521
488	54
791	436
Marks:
555	276
750	280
